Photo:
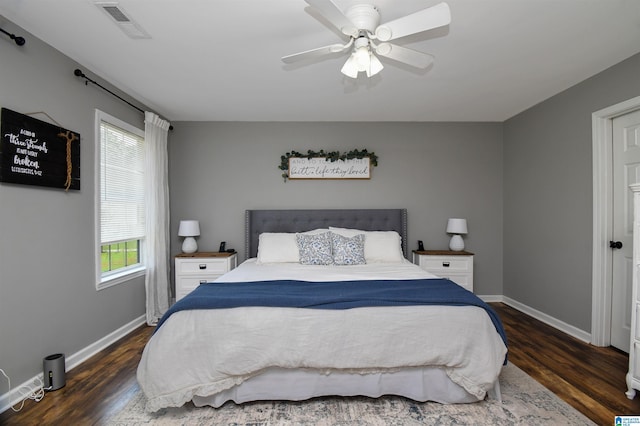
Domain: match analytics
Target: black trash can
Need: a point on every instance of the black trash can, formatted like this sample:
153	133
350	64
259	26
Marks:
53	369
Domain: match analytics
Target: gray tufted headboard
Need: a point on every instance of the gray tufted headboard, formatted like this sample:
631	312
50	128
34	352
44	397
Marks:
259	221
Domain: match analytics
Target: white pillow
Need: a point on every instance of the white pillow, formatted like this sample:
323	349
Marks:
277	247
315	231
346	232
383	246
379	246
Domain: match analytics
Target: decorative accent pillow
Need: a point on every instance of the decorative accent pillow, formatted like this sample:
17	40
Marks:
348	251
315	249
379	246
277	247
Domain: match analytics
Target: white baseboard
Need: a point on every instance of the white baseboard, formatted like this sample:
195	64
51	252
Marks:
491	298
14	396
86	353
547	319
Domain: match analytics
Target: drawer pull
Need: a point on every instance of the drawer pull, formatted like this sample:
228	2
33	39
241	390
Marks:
446	264
202	266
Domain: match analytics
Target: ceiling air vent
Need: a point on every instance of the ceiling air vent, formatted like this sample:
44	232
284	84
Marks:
122	20
116	14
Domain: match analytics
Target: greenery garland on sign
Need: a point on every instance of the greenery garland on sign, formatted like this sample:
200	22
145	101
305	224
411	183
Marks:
331	156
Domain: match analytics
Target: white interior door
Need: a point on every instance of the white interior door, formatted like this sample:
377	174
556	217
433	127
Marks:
626	171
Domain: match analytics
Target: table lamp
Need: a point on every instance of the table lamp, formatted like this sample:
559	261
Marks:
189	229
457	227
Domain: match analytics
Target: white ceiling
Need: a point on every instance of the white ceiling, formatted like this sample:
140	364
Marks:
219	60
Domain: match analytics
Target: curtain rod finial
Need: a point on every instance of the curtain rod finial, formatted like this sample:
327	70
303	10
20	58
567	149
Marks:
20	41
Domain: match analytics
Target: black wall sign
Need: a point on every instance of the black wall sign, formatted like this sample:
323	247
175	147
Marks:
33	152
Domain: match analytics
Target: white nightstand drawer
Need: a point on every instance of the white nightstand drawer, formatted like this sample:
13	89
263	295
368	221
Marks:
463	280
186	285
192	282
456	266
202	266
193	270
447	263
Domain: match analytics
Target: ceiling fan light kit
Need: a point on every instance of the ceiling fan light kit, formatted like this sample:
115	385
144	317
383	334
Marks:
361	60
361	23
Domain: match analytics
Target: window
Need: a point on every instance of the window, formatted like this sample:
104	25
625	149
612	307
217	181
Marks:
120	202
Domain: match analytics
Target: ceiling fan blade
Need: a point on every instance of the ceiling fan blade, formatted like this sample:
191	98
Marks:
404	55
314	53
423	20
333	14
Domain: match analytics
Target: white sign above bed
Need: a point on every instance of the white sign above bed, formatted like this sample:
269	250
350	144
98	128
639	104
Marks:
323	168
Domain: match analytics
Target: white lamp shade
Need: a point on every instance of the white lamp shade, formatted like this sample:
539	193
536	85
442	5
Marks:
350	68
375	66
362	58
457	226
189	228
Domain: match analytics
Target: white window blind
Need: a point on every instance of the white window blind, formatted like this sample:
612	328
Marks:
122	206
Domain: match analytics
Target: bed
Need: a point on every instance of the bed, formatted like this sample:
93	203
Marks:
281	327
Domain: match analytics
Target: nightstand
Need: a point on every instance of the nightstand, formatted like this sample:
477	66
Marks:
193	269
454	265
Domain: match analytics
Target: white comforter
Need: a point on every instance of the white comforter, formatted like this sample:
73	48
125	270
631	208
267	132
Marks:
202	352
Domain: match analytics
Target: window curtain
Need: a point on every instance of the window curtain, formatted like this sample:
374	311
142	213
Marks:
157	280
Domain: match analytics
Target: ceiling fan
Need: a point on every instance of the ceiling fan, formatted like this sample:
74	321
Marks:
361	23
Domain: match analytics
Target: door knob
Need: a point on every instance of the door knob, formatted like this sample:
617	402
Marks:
615	244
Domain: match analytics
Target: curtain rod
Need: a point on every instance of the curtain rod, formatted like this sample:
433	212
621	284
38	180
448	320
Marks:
78	73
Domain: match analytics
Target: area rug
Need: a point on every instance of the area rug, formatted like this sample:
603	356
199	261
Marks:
524	402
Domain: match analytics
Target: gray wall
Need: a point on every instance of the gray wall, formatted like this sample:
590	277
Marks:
48	300
548	195
435	170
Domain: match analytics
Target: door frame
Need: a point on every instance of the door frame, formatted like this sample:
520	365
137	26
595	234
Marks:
602	123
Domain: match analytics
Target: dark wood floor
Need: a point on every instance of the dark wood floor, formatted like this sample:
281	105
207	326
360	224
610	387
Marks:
589	378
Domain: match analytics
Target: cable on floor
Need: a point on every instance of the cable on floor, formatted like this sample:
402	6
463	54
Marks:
26	392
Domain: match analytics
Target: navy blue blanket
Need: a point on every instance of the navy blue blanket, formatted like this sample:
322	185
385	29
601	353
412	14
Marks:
332	295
